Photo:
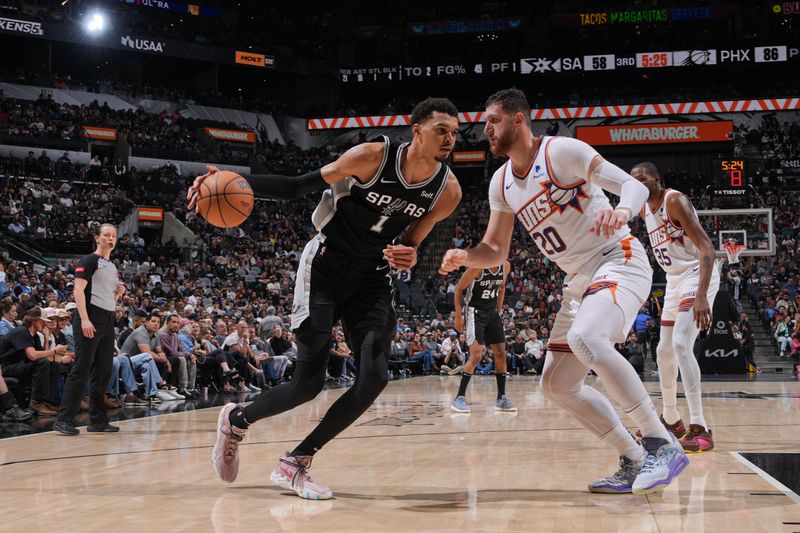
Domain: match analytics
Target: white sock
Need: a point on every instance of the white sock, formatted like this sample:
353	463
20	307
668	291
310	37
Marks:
683	337
625	443
668	376
644	414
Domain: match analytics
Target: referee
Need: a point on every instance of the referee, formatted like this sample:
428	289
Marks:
97	288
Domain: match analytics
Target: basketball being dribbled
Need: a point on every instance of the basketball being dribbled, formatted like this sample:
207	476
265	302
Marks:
225	199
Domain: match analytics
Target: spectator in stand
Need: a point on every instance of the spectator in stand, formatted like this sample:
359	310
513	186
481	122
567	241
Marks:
783	332
452	355
10	411
144	350
280	347
534	350
187	362
632	350
8	310
23	357
417	351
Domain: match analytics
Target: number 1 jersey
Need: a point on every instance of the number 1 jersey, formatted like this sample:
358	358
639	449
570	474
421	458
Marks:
363	218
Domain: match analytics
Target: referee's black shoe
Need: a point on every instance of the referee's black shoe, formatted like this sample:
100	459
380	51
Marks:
65	428
102	428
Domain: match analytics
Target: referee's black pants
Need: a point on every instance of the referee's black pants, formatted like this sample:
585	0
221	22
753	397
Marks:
93	357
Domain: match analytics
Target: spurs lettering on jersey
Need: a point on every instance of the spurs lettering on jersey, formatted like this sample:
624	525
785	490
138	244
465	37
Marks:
672	249
394	205
557	211
482	293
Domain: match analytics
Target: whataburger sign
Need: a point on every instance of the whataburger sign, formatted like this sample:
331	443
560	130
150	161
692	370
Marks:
662	133
232	135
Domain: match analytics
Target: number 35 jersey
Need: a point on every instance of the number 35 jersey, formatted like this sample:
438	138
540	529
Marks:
363	218
555	203
671	246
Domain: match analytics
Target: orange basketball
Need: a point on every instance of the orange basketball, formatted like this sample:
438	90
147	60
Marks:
225	199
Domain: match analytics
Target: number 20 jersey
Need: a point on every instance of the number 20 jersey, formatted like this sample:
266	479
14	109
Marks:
363	218
555	203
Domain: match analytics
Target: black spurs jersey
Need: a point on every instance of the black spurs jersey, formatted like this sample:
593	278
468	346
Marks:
482	292
363	218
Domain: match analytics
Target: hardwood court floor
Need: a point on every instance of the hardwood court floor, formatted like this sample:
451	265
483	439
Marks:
408	465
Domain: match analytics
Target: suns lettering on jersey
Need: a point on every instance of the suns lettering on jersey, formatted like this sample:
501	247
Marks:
666	234
672	248
550	200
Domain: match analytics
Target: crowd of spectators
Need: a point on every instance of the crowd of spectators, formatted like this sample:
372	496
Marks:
165	135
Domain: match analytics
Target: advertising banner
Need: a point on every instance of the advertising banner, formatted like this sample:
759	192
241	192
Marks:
476	156
662	133
152	214
720	353
100	134
238	136
74	33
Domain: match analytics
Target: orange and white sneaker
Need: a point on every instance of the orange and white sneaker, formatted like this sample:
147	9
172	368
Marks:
225	455
292	474
701	436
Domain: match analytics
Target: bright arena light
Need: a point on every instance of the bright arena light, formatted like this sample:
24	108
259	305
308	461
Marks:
95	23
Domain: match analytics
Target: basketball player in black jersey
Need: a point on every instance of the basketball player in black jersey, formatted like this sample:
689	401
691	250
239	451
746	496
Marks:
377	192
486	290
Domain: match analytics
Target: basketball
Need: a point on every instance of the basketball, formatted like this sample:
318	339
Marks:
562	196
225	199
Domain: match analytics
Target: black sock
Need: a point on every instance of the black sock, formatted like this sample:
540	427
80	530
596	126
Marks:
7	401
462	388
237	419
307	447
501	384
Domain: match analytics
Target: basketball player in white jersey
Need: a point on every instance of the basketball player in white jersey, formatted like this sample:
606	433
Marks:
554	186
686	254
486	291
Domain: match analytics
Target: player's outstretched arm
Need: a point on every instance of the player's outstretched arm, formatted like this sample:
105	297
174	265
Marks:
404	255
490	252
467	277
632	196
680	211
501	294
361	161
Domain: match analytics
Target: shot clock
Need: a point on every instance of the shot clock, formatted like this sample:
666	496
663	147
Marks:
729	184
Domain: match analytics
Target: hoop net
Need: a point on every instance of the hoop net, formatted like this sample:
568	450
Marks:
732	250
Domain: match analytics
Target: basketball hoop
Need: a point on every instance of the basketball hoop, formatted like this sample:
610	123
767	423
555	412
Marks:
732	250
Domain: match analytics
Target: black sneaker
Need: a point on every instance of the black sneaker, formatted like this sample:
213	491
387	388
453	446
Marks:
17	414
189	395
101	428
65	428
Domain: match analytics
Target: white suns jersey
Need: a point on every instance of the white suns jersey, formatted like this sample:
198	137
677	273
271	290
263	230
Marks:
671	246
555	203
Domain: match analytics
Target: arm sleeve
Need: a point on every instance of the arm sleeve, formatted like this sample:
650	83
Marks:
285	187
497	199
632	194
570	160
87	267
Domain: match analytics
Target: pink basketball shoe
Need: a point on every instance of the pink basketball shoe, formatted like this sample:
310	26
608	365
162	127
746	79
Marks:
225	455
292	474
